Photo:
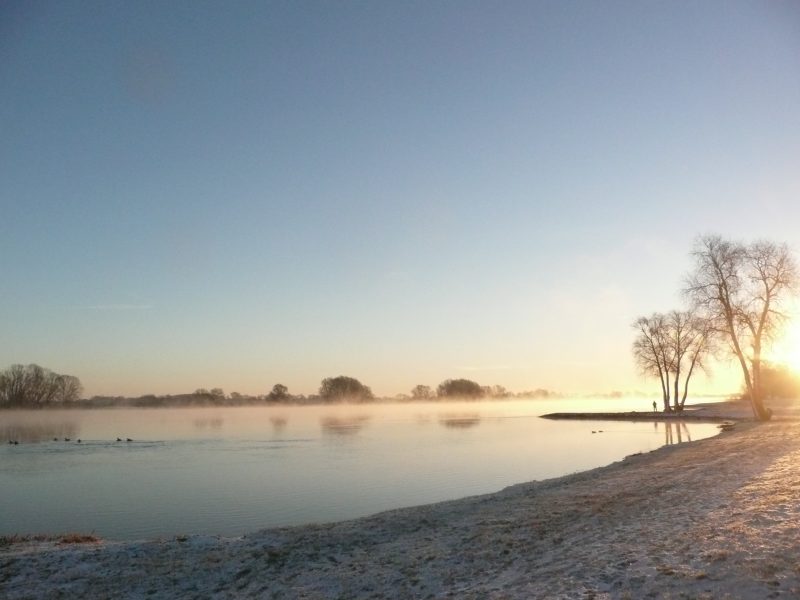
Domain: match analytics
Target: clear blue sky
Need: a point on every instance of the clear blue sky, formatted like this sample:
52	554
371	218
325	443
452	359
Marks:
201	194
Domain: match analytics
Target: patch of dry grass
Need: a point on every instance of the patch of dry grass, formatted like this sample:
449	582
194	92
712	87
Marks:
10	540
78	538
62	539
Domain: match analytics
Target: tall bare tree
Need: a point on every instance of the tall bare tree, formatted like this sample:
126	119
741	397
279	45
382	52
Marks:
652	353
741	290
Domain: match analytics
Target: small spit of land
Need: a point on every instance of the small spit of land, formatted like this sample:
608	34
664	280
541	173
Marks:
710	519
714	412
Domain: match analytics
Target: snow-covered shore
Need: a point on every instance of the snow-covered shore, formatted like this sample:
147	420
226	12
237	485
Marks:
710	519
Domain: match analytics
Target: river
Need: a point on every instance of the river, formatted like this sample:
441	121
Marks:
231	470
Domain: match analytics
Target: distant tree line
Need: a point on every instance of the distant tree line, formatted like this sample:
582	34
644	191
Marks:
737	295
32	386
471	390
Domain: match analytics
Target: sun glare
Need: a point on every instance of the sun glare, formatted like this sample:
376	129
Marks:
786	350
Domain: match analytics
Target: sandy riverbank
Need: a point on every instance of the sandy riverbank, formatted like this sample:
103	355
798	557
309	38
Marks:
710	519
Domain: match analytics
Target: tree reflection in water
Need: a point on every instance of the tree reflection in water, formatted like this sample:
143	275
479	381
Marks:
43	432
343	425
206	423
460	421
674	432
278	423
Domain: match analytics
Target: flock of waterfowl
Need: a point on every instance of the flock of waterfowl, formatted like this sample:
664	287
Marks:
66	439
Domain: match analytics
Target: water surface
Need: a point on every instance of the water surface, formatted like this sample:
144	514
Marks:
232	470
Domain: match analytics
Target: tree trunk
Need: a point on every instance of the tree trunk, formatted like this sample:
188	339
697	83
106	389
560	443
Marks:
688	377
663	386
686	386
762	413
675	405
756	403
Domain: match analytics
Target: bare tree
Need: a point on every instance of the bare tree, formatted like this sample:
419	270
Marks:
32	385
670	346
421	392
740	289
498	391
651	351
690	341
69	388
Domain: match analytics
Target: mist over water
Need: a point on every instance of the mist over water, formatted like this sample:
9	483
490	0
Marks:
235	469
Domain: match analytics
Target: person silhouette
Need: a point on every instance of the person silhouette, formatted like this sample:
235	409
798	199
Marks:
655	406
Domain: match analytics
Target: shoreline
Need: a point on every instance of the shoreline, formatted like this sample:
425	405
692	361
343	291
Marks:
713	518
639	416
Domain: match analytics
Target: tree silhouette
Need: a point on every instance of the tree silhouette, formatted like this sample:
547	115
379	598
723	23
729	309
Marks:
279	393
740	290
344	388
32	385
459	388
671	344
421	392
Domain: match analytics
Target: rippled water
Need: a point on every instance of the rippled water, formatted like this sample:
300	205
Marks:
231	470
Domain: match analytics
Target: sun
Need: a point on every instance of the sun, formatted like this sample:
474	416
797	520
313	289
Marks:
786	349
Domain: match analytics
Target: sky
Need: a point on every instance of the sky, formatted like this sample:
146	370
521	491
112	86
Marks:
212	194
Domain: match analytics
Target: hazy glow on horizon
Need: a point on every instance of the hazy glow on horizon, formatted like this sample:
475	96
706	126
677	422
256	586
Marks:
239	195
786	349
